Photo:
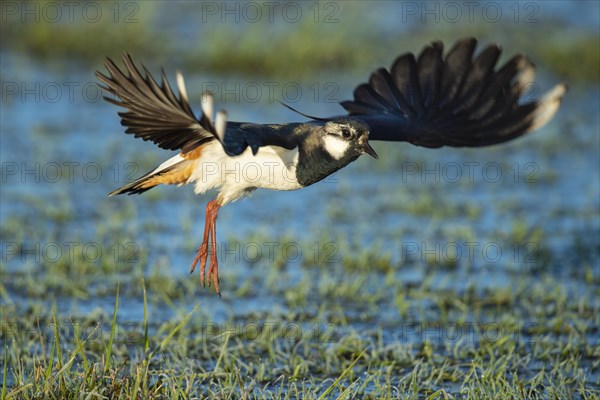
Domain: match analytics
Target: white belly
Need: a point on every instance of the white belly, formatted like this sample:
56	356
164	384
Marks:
271	168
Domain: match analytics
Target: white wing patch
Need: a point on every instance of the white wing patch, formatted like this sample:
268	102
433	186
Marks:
336	146
170	162
548	106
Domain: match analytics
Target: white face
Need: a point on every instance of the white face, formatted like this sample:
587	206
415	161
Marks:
336	146
338	139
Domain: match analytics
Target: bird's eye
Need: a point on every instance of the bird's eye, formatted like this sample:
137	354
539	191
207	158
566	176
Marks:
346	133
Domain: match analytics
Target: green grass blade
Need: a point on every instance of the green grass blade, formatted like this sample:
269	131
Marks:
57	338
70	361
166	340
113	328
146	338
5	372
136	384
437	394
223	350
84	360
144	371
335	383
50	367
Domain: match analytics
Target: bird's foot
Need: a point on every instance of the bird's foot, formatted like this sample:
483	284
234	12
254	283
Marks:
201	257
213	272
213	267
210	235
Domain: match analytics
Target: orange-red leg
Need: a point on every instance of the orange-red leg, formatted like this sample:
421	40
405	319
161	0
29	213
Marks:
213	269
210	235
202	252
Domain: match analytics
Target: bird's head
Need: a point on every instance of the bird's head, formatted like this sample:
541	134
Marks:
346	138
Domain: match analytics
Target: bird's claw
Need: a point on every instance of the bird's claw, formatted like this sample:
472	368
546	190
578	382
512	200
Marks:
210	235
212	278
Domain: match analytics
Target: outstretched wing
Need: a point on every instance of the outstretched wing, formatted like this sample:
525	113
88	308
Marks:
153	111
457	101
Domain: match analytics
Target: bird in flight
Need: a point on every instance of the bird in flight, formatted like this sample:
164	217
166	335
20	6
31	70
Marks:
429	100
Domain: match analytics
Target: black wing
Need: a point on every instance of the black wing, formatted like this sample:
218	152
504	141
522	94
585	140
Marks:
154	112
241	135
457	101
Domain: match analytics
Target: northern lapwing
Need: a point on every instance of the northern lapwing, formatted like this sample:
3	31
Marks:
458	100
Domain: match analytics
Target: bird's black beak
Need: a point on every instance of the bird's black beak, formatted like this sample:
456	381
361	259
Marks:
366	148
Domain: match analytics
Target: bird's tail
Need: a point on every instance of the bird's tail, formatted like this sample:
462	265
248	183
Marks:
175	171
